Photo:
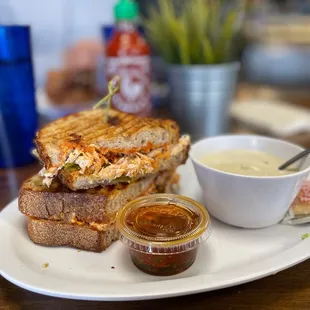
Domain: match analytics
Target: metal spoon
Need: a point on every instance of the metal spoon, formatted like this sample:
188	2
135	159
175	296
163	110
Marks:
294	159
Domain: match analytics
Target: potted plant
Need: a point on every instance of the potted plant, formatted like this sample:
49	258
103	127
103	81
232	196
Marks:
201	45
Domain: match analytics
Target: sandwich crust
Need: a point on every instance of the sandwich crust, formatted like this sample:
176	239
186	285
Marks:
59	203
94	206
54	233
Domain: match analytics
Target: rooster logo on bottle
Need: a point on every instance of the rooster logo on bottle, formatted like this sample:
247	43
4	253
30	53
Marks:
134	95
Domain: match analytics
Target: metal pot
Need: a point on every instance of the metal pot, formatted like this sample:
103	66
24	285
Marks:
200	96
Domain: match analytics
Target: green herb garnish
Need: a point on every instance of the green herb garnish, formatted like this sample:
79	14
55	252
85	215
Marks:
305	236
123	179
71	167
113	88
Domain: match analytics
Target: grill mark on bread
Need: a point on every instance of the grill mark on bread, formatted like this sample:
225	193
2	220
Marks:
114	120
60	129
72	122
126	128
102	134
75	138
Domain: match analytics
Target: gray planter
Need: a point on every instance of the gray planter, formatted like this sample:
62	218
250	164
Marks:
200	97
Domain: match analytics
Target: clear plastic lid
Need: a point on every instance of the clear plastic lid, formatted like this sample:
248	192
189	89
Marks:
163	224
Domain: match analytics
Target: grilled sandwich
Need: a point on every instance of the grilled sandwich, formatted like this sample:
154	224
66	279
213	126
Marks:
83	219
85	152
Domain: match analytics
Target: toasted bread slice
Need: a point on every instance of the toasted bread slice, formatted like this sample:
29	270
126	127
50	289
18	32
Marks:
92	206
124	133
55	233
67	230
128	169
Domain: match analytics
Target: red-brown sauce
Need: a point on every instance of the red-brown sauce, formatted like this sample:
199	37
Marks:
163	221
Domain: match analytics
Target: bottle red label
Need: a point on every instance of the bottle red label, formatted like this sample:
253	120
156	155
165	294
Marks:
135	73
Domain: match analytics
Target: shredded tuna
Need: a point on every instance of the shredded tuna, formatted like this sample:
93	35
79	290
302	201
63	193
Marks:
128	166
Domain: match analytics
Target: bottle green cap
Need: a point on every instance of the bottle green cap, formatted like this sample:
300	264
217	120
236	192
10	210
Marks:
126	10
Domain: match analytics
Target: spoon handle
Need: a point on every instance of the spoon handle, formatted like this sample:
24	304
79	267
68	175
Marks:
294	159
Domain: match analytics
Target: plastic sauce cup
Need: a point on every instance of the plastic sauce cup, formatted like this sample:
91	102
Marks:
163	232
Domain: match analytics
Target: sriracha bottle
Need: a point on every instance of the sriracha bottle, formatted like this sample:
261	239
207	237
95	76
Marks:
128	56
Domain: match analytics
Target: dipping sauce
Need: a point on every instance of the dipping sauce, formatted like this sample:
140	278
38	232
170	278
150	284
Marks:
162	221
163	232
246	162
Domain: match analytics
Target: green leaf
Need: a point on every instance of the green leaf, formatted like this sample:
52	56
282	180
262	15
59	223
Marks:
209	57
226	37
305	236
71	167
204	32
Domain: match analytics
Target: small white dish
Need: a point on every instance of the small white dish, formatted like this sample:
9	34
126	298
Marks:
247	201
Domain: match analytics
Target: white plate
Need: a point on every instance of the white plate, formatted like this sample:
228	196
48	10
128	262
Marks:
231	256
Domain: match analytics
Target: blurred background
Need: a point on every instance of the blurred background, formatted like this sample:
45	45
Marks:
216	66
56	26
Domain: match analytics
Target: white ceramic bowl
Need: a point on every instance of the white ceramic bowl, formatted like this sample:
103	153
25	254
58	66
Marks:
247	201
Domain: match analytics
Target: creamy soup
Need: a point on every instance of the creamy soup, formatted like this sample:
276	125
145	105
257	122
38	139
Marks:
246	162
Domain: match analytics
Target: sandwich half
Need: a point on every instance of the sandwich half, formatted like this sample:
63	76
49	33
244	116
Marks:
85	152
84	219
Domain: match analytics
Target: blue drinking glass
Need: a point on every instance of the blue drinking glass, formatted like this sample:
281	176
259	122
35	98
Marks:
18	116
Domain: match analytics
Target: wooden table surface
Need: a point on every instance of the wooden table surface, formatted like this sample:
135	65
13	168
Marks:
289	289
